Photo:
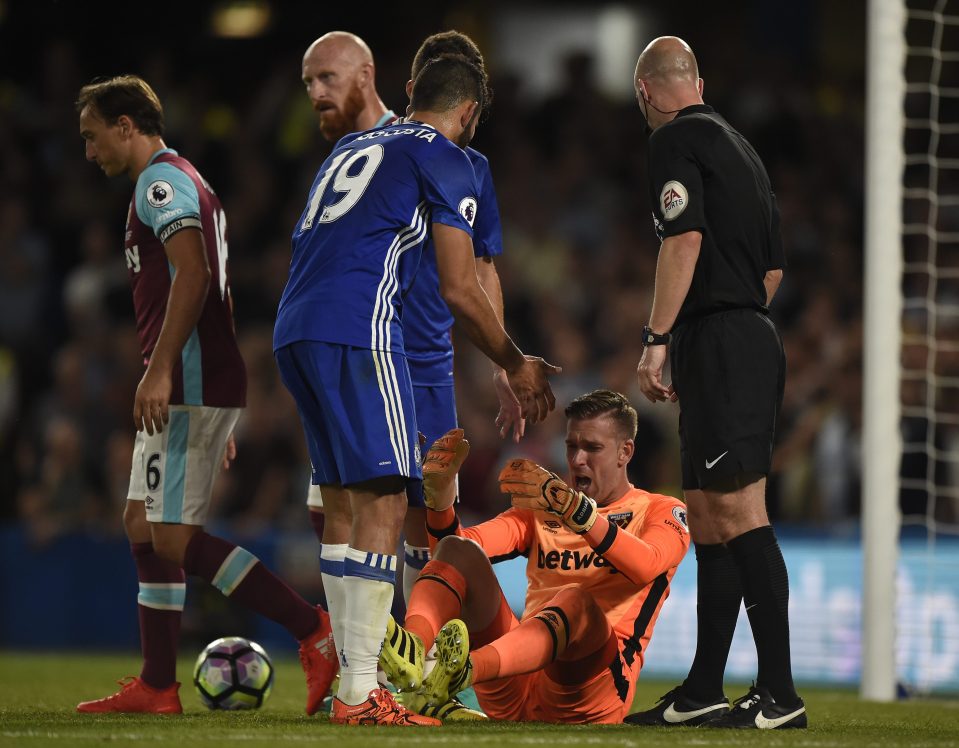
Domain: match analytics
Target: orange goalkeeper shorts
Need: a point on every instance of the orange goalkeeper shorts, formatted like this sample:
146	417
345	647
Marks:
557	693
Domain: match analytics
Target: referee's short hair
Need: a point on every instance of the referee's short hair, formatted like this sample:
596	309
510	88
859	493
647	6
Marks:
446	81
110	99
606	402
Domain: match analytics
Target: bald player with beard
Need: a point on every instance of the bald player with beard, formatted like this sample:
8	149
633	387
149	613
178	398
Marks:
339	76
340	79
719	265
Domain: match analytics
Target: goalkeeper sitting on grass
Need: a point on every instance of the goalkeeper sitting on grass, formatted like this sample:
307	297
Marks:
601	555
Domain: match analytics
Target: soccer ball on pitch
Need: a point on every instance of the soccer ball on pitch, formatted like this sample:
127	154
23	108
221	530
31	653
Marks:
233	673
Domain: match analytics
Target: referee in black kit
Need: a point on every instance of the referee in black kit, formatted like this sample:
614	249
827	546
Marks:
719	265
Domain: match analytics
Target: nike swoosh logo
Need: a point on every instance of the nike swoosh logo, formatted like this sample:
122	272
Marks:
674	717
764	723
709	464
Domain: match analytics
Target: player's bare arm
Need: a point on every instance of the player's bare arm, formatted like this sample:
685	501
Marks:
471	307
771	281
188	291
510	416
674	274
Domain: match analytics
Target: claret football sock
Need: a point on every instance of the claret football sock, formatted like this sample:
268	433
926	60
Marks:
437	597
159	608
719	594
766	595
238	574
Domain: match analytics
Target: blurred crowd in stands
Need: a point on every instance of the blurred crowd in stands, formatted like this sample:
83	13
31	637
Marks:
577	270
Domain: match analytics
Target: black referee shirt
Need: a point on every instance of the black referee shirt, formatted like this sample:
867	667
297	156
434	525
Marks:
705	176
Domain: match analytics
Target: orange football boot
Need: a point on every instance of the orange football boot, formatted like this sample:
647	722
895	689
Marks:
318	657
136	696
380	708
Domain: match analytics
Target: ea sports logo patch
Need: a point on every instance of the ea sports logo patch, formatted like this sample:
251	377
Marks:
673	200
467	209
680	514
160	193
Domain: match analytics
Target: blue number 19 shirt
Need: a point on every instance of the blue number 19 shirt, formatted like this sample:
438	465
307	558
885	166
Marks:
357	246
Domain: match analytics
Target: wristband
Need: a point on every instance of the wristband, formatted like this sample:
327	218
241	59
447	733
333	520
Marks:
655	338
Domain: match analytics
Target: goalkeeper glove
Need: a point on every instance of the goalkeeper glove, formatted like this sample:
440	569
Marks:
533	487
440	467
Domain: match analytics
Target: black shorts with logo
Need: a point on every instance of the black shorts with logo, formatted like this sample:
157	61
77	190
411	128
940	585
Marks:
729	370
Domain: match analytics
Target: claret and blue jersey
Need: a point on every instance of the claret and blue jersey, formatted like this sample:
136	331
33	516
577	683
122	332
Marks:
171	196
358	244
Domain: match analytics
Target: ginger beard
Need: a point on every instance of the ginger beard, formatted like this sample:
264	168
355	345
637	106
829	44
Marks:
336	121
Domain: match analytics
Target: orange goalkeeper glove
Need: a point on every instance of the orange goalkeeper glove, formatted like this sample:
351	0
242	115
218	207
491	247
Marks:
533	487
440	467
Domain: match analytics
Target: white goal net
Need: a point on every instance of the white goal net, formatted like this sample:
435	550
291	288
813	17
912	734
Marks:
911	603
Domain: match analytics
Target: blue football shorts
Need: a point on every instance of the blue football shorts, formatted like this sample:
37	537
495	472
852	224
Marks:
357	410
435	415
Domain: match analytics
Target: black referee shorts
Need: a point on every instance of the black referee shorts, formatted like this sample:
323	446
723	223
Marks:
729	370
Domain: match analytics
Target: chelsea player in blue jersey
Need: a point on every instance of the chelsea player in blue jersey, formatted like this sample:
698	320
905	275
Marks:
429	344
339	345
339	76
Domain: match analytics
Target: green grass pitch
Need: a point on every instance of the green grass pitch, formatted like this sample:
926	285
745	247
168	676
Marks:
38	693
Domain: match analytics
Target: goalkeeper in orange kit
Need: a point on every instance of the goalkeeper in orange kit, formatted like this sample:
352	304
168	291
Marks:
600	552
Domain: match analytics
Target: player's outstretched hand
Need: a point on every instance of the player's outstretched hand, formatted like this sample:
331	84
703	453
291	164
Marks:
535	487
510	414
530	384
440	467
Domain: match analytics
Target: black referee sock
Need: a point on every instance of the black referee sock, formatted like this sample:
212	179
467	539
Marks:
766	595
718	595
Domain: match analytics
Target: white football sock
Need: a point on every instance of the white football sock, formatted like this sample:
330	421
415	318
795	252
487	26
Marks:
331	571
368	581
414	559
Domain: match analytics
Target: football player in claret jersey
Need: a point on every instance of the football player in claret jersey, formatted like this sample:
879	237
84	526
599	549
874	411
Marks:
339	344
601	554
187	402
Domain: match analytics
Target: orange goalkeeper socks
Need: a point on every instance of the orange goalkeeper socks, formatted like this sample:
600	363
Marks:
437	597
530	646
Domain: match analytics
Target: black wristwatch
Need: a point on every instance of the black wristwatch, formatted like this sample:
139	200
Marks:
654	338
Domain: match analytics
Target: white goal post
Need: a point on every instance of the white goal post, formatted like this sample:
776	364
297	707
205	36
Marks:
910	489
885	91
